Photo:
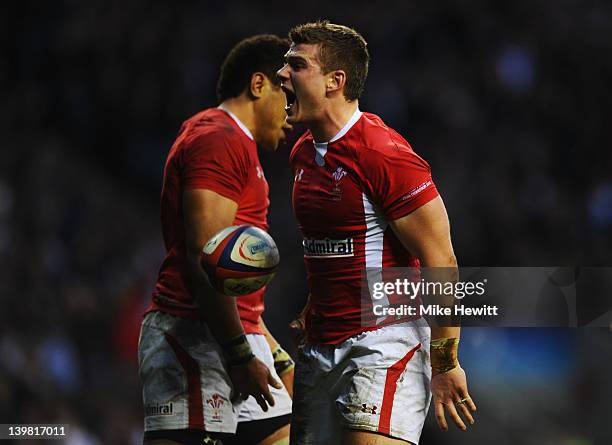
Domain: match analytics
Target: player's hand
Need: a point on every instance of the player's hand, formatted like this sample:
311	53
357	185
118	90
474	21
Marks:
297	329
450	394
254	379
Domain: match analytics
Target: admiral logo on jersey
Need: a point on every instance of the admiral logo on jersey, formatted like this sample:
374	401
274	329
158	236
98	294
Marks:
164	409
327	248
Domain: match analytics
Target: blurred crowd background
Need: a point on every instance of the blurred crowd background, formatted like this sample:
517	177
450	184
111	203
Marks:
508	101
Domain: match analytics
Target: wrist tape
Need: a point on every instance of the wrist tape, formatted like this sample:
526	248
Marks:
283	362
237	351
443	353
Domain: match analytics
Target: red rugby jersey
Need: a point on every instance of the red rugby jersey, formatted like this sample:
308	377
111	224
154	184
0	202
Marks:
213	151
344	194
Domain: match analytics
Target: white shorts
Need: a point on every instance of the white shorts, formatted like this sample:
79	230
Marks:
184	379
376	381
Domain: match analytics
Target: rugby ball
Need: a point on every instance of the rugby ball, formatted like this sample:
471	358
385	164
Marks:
240	260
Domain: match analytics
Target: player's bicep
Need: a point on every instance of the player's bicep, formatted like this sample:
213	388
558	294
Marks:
425	232
205	213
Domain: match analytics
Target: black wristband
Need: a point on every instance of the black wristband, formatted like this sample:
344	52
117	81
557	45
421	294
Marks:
237	351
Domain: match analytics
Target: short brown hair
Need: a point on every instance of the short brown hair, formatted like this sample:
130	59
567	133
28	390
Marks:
342	48
262	53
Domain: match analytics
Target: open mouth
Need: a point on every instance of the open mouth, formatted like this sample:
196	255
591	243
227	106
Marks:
290	98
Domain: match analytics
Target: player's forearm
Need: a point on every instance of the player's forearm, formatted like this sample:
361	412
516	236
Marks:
205	213
445	331
220	311
442	267
426	234
442	330
222	316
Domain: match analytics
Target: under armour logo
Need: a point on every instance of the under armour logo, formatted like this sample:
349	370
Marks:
368	409
298	175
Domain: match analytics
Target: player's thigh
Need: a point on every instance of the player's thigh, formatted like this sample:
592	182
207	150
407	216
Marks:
185	385
315	418
278	437
354	437
271	431
384	392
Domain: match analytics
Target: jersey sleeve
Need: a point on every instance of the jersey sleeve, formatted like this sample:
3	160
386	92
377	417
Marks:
398	180
215	162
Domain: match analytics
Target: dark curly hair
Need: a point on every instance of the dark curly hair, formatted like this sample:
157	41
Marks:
261	53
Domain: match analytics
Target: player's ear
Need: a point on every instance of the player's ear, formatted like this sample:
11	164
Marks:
257	84
336	81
